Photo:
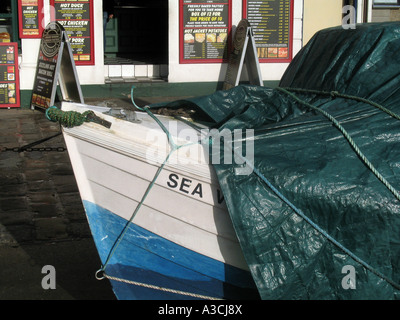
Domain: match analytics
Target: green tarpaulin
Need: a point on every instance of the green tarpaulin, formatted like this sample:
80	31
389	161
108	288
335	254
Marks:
318	217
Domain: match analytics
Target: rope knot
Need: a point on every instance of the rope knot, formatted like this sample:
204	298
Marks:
71	119
334	94
67	118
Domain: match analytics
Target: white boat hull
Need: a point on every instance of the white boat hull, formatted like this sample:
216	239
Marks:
180	243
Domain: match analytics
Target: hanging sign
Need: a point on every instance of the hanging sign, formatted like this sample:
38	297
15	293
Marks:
204	30
9	77
272	23
244	52
55	66
77	19
31	17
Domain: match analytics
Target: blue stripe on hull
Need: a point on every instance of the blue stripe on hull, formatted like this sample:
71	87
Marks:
147	258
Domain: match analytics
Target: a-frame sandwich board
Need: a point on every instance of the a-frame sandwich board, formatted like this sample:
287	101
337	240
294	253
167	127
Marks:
55	66
244	52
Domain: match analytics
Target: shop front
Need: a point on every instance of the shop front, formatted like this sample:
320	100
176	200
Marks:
174	41
189	40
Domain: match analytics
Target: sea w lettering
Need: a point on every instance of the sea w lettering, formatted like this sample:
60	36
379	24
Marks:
192	188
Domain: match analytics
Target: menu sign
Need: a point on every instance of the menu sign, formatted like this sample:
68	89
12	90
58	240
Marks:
76	16
204	29
9	77
272	24
30	18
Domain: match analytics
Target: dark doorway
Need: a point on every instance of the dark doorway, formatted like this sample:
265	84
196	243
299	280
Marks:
139	32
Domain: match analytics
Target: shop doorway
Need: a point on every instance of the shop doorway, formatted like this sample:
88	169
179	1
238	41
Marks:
138	36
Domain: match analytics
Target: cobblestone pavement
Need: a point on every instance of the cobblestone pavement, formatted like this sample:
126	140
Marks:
42	220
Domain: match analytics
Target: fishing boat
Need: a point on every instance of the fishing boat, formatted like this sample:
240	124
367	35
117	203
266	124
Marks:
162	228
317	216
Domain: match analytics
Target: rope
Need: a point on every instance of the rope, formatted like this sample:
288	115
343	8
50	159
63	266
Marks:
348	138
334	94
125	229
67	118
150	286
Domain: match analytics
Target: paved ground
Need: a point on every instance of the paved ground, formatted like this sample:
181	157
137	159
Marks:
42	221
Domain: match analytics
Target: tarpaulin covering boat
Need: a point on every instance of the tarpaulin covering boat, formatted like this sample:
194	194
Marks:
319	215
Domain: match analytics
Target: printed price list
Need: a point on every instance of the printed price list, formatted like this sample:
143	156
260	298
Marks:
271	24
9	86
204	30
30	18
75	17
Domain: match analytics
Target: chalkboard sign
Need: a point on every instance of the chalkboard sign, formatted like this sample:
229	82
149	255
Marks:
9	76
55	66
31	17
204	30
77	19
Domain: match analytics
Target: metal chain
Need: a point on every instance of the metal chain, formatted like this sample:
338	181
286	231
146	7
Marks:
29	147
41	149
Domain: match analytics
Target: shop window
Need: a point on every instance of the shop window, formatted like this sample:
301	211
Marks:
386	3
8	21
385	10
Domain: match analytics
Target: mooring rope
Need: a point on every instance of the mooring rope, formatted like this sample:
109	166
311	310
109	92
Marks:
154	287
67	118
72	118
